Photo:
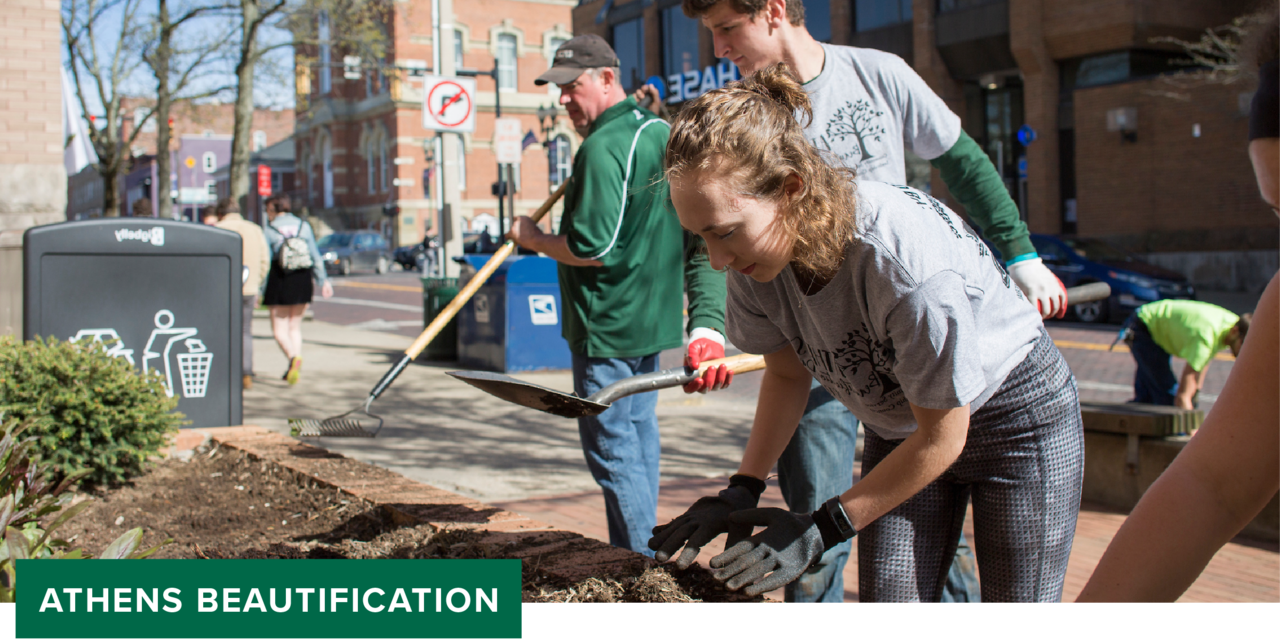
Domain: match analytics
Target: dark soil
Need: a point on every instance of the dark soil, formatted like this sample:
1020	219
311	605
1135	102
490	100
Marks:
219	500
224	503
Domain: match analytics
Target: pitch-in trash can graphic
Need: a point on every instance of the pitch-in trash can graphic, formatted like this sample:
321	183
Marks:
161	294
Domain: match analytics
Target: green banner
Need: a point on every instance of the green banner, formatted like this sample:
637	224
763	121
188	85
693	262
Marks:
268	599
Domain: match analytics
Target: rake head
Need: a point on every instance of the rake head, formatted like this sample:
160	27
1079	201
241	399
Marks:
339	426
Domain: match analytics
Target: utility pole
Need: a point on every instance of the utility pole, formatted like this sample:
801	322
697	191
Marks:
446	145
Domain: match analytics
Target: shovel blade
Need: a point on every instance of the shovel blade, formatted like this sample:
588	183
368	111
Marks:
530	395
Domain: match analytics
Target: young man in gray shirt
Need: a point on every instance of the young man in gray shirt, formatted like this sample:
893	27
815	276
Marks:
869	107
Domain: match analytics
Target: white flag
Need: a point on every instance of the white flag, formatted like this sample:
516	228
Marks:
79	150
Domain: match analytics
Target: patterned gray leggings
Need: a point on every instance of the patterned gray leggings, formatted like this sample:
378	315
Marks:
1023	464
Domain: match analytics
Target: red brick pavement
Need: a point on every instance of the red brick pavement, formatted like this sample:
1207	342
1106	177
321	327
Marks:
1243	571
1094	365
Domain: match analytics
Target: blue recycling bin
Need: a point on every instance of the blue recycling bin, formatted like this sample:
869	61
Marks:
513	321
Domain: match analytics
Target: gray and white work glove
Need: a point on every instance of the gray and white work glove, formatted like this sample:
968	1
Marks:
706	519
775	557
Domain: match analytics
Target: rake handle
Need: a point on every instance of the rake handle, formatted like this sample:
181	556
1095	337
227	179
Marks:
1088	292
438	323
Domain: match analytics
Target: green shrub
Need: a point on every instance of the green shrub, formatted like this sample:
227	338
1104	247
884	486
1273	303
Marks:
27	495
85	409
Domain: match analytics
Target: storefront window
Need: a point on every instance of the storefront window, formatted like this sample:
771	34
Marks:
873	14
679	42
507	62
562	163
817	17
628	43
457	49
955	5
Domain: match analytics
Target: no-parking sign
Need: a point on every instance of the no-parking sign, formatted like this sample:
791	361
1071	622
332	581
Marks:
448	104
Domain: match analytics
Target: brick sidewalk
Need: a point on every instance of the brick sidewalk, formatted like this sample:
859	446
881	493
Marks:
1243	571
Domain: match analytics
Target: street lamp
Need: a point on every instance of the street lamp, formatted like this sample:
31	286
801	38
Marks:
501	189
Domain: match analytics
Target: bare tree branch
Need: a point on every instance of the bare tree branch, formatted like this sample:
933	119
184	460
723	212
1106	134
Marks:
108	72
1215	57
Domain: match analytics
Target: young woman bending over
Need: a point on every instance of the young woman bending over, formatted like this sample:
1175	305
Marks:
901	312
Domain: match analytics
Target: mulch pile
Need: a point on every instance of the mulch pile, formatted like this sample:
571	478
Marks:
223	503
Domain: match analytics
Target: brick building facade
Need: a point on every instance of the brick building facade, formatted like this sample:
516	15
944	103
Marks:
205	119
361	143
33	180
1178	188
201	134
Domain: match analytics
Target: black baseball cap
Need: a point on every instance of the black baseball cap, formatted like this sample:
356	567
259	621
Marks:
577	55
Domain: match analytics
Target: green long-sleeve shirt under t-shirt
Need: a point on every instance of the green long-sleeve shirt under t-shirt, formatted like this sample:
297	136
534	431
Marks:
616	211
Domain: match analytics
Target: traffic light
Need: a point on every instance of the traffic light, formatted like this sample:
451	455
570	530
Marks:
390	210
170	128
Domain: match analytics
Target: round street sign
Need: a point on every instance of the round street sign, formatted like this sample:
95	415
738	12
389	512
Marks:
449	104
1026	135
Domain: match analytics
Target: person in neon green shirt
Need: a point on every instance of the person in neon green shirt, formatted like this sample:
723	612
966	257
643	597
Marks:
1191	330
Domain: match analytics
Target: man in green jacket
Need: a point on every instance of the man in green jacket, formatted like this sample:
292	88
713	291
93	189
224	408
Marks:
1193	331
869	107
624	263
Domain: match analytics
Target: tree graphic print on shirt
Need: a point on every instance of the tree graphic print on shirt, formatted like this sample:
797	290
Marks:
861	366
849	133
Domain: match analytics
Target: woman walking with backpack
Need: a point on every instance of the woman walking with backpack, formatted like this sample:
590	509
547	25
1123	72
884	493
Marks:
295	260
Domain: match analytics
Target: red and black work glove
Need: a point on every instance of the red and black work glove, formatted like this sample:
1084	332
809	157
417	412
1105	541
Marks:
706	344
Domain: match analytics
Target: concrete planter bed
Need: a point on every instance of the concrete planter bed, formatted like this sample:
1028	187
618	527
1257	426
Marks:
244	492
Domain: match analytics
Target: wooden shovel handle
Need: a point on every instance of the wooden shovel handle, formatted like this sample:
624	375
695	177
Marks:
741	363
476	282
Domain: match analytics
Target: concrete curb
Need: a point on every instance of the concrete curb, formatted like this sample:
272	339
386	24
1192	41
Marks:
556	553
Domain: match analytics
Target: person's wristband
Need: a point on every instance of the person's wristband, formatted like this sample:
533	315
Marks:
755	485
1022	258
833	523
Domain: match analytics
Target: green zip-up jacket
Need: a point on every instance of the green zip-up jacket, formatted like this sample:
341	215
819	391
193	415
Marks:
616	211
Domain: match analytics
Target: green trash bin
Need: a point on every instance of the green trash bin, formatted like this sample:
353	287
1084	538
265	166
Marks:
437	293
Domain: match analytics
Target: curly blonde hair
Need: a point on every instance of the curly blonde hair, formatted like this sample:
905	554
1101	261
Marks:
749	132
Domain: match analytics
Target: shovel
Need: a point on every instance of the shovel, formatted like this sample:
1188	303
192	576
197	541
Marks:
341	426
568	405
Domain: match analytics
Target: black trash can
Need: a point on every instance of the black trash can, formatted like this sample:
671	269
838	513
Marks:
169	292
437	293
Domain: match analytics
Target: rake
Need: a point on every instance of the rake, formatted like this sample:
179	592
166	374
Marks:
342	426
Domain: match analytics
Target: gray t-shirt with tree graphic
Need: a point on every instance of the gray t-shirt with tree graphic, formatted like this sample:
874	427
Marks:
920	311
869	105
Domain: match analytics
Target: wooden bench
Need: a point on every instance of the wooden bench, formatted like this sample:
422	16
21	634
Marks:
1137	419
1128	445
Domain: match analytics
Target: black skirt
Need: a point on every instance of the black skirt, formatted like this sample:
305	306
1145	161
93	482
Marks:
287	287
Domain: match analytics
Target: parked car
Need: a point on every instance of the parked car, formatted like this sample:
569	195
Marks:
348	251
1134	282
417	257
